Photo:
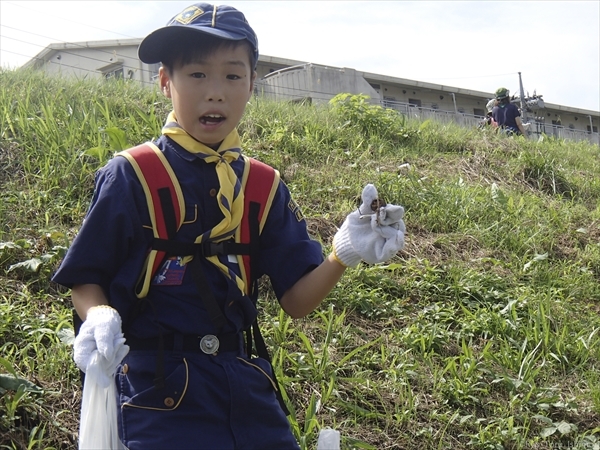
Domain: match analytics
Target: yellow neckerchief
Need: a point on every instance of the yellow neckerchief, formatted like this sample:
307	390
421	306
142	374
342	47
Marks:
230	197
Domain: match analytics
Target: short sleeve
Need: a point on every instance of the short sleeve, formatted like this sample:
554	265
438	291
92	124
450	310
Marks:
109	231
287	251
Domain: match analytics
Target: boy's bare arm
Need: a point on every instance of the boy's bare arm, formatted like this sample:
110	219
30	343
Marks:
85	296
310	290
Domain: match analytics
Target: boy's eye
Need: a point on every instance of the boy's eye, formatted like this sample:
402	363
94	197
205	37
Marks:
233	77
198	75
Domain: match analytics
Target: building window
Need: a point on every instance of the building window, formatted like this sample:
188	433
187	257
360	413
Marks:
414	102
116	73
478	112
595	129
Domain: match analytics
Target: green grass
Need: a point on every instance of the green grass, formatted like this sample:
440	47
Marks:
483	333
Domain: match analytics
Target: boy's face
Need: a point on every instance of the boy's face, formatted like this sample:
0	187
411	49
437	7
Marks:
209	96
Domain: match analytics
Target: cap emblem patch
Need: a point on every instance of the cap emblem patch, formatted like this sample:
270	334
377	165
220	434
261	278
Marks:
188	15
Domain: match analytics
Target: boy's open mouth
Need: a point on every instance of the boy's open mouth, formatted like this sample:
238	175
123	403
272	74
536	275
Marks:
211	119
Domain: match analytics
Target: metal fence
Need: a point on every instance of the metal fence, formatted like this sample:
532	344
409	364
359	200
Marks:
294	90
536	129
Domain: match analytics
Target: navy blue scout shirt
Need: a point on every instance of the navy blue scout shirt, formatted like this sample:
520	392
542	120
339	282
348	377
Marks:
505	116
113	241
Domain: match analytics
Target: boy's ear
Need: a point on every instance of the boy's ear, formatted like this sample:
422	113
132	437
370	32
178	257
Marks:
165	82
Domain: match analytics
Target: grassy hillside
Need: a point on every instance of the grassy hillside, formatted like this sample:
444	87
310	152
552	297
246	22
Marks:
483	333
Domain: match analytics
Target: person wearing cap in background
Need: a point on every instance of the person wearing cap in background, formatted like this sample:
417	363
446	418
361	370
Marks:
489	120
506	114
205	400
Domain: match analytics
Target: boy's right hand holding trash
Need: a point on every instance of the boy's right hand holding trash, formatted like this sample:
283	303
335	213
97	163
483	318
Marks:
101	331
374	233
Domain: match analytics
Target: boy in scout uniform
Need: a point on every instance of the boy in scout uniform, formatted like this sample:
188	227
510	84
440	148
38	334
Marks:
184	378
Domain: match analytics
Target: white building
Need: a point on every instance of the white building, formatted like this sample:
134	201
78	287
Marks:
287	79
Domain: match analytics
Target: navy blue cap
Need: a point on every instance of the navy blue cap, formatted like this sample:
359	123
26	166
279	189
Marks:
221	21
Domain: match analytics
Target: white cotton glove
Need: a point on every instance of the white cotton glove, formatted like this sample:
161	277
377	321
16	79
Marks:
101	331
372	233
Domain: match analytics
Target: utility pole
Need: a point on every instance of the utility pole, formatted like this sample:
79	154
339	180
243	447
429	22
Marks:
454	102
456	117
521	94
592	130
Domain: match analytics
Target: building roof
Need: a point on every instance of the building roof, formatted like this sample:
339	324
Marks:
47	53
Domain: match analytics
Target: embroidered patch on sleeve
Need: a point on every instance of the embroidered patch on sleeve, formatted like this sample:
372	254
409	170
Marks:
294	208
170	273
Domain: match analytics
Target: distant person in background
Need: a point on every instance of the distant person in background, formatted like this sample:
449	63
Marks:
489	121
506	114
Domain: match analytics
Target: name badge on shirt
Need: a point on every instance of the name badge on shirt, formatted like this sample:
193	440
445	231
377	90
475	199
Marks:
170	273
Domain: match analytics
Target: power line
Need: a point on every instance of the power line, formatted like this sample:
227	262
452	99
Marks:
142	70
294	91
151	72
132	37
70	20
76	44
297	92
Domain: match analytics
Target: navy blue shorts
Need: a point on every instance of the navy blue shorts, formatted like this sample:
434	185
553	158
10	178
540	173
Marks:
208	402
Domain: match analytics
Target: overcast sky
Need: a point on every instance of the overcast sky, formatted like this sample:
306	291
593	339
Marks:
479	45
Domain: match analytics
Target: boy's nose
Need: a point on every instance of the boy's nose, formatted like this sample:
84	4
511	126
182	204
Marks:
214	98
215	93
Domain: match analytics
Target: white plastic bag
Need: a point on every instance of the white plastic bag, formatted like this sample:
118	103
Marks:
328	439
98	429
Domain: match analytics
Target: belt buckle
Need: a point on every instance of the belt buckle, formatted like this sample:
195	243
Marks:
209	344
211	248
